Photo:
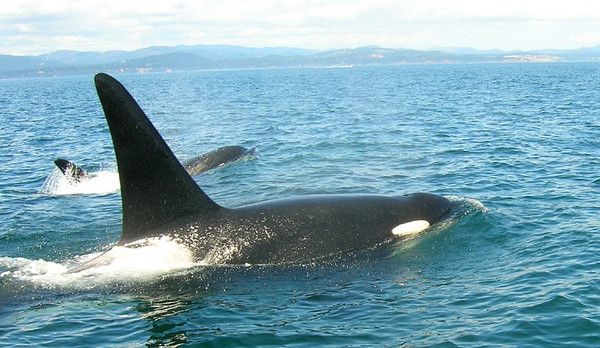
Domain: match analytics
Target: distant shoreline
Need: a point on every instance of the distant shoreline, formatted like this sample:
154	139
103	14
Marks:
207	58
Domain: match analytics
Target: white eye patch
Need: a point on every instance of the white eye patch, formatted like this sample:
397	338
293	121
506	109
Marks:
411	227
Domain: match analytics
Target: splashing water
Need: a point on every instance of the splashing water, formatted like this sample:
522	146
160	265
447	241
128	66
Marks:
100	182
140	261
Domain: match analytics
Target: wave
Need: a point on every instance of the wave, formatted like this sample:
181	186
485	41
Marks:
468	205
140	261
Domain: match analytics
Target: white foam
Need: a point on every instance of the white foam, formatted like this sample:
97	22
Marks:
468	205
100	182
141	261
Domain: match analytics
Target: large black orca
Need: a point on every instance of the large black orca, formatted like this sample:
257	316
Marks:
160	198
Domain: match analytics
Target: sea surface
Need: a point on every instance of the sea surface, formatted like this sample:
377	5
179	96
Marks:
517	145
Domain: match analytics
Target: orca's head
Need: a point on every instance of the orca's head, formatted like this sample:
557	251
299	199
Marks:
432	207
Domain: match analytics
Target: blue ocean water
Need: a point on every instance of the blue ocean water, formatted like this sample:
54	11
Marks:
516	144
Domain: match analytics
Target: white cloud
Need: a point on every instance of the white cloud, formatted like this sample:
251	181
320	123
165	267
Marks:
31	27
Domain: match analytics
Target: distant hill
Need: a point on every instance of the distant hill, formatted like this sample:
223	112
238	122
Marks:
202	57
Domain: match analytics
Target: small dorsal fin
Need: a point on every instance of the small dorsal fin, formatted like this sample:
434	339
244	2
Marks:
155	188
70	170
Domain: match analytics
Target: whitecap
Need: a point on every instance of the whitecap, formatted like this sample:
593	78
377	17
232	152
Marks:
143	260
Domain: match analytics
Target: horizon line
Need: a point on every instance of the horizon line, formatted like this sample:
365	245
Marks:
448	49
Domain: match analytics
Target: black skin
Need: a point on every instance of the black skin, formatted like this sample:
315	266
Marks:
215	159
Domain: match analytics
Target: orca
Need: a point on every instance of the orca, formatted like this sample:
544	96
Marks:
217	158
160	198
73	172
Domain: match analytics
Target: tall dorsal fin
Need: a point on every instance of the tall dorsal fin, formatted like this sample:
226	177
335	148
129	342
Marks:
155	188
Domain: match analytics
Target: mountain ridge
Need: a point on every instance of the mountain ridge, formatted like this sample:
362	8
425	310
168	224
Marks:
204	57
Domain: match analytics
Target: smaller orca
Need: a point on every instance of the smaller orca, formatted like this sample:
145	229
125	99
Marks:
217	158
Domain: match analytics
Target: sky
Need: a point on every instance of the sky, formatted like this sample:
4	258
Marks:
33	27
